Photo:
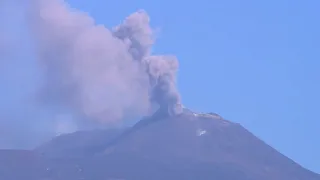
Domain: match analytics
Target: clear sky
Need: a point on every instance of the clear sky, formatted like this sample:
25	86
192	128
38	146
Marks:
253	62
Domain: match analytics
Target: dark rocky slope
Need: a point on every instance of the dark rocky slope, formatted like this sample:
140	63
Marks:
187	146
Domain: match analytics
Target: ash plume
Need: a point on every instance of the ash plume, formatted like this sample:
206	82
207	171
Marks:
161	70
99	73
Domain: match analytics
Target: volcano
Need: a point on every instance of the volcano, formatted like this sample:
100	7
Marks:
183	146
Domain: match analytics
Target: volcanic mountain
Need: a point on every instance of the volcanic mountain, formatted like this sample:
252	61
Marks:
185	146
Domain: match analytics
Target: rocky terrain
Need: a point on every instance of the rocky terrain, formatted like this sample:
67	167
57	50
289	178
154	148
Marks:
185	146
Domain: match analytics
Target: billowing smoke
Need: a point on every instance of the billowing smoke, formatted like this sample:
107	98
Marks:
99	73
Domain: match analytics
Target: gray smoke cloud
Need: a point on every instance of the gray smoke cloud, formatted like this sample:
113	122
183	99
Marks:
99	73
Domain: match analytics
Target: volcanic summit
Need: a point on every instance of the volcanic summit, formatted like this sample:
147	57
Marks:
188	145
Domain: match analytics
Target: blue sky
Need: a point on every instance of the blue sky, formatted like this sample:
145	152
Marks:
253	62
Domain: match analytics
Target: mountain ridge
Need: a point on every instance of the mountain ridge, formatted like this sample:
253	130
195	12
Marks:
183	146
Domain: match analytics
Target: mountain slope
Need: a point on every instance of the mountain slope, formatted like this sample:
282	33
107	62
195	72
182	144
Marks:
209	139
185	146
77	144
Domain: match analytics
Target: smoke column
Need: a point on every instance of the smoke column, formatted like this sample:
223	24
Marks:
99	73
